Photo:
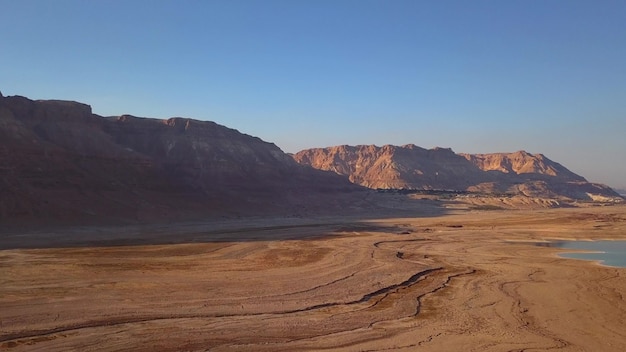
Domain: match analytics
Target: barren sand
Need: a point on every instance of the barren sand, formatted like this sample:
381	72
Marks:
464	281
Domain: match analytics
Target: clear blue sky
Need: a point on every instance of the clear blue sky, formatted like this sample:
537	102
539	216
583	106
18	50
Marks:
477	76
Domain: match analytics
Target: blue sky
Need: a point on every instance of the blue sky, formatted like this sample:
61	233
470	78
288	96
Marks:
477	76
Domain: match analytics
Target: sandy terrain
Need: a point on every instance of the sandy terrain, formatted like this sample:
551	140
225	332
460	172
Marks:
464	281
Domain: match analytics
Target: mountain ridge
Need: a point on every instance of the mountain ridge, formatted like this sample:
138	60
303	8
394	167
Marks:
62	163
413	167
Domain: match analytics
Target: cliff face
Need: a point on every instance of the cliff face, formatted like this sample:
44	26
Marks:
60	162
412	167
390	166
521	162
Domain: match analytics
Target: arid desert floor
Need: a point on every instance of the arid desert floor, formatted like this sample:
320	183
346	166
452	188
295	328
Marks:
465	280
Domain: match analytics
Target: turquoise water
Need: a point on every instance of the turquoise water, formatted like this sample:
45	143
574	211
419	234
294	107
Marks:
611	253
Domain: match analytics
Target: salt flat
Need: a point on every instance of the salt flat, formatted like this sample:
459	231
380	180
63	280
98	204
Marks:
467	280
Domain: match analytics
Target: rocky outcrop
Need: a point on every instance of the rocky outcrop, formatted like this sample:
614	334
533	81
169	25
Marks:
521	162
408	167
60	162
412	167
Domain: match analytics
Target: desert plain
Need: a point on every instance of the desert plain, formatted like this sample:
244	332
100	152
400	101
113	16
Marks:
457	279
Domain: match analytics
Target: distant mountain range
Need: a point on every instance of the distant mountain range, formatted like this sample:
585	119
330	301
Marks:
412	167
60	163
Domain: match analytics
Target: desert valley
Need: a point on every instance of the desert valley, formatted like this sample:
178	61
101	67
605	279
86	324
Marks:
126	233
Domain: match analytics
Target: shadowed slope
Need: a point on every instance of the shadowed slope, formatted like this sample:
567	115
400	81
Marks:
61	163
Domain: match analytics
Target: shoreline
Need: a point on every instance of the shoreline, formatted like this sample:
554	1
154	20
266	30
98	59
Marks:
441	283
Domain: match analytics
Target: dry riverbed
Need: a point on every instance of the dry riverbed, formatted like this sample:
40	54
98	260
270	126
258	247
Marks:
465	281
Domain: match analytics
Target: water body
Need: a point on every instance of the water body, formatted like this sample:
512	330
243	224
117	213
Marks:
610	253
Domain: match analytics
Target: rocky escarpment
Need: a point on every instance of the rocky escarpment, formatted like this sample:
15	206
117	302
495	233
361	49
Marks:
522	162
409	166
412	167
60	162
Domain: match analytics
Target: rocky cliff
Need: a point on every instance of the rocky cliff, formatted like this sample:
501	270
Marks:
521	162
412	167
60	162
